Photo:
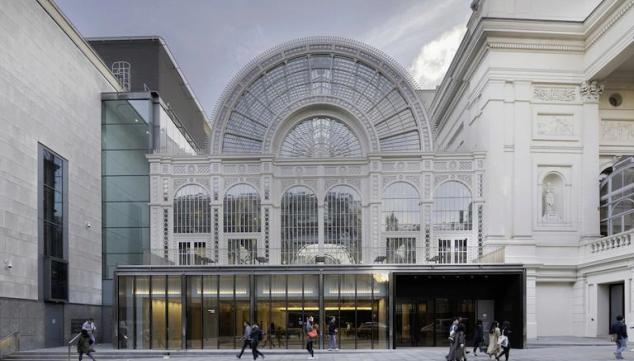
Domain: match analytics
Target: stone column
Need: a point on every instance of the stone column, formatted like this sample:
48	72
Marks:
531	303
590	93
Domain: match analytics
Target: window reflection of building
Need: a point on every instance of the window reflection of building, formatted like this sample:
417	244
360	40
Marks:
617	198
241	208
191	210
401	222
452	207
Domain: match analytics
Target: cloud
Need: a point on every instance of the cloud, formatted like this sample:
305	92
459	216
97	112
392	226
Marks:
434	58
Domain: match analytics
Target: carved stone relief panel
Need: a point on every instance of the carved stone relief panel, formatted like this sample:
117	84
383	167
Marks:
617	131
555	127
554	93
388	179
178	182
439	178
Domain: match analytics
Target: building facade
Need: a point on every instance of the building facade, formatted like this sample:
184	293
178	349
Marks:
328	185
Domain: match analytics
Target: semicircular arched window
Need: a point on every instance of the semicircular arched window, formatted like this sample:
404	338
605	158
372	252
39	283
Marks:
192	210
401	208
320	137
241	207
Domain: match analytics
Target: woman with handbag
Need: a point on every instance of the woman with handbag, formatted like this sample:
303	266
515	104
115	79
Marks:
504	341
494	333
312	335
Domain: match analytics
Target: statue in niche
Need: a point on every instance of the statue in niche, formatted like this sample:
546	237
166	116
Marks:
550	212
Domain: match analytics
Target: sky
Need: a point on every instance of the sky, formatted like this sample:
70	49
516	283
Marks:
212	40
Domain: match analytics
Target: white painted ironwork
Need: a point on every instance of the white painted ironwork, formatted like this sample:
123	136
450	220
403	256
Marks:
192	210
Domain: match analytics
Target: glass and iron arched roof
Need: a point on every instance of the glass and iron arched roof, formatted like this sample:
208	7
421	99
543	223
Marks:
360	80
320	137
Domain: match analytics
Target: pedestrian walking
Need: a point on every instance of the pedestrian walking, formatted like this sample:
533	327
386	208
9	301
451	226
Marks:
478	337
504	341
89	325
332	334
246	338
457	348
84	345
256	337
618	330
494	334
311	336
452	334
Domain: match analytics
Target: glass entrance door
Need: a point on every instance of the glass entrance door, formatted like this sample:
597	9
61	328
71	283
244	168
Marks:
414	323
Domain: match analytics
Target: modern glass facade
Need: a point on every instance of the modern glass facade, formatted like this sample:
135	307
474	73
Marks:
133	126
207	311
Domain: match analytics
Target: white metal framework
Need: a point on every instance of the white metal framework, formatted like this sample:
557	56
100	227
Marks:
617	199
192	210
320	137
300	225
241	209
342	221
323	70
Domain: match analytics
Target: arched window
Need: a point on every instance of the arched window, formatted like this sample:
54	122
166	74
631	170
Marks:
121	70
452	207
241	209
342	225
320	137
192	210
623	216
299	224
401	208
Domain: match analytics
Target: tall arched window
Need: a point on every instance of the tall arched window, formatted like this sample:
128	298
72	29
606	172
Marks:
452	207
192	210
401	208
299	224
241	209
342	225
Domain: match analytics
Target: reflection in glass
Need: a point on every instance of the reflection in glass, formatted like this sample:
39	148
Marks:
159	326
295	314
311	301
365	324
194	311
174	312
348	321
331	305
278	310
401	208
226	317
452	207
126	310
263	307
142	294
380	310
243	305
210	311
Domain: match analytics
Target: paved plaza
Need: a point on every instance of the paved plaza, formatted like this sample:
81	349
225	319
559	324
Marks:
585	353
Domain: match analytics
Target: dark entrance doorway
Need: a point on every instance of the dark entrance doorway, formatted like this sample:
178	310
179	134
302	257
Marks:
54	325
425	305
617	302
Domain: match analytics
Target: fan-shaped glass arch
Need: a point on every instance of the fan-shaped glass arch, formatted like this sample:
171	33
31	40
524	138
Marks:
267	97
299	226
401	208
241	209
452	207
320	137
192	210
342	224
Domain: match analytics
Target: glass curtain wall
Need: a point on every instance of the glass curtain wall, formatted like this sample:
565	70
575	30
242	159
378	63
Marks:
150	310
125	140
299	225
342	225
